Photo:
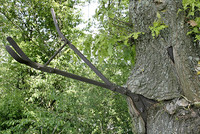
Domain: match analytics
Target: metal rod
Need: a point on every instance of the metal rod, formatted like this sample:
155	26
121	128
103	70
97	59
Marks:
17	48
53	70
78	52
54	55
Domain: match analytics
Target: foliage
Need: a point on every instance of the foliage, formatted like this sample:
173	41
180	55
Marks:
53	104
35	102
115	31
195	29
192	9
158	25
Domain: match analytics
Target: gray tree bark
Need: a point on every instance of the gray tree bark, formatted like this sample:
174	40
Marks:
175	85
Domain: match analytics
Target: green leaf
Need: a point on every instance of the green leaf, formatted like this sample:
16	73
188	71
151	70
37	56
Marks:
110	49
110	14
136	34
179	10
197	37
158	15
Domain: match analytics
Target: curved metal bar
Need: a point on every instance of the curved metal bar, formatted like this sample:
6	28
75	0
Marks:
14	55
17	48
78	52
56	24
54	55
49	69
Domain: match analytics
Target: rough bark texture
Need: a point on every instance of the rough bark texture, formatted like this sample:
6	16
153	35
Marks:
175	85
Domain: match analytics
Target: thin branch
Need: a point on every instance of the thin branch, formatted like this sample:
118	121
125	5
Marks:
61	131
12	22
54	129
122	22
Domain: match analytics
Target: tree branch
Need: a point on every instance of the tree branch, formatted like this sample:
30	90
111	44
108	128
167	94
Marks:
122	22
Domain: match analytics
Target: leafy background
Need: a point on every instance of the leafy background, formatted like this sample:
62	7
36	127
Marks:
36	102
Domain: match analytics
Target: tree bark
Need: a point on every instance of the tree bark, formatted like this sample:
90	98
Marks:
174	84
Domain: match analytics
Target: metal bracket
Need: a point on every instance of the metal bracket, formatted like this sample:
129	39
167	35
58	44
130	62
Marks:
141	103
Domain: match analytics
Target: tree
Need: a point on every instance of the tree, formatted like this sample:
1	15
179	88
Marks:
164	69
175	85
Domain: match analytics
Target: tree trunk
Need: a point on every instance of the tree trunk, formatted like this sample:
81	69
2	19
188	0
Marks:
174	84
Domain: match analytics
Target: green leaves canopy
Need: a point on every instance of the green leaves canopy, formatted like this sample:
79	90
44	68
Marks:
35	102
